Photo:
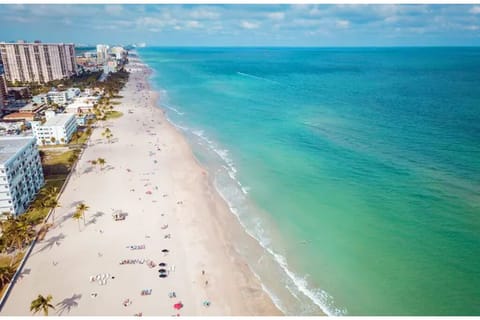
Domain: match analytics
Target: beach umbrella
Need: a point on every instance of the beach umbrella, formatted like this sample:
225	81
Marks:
162	270
162	264
178	305
165	250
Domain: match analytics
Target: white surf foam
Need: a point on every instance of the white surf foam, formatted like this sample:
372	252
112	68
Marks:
257	77
318	296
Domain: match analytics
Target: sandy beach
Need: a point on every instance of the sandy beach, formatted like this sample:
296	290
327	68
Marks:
100	267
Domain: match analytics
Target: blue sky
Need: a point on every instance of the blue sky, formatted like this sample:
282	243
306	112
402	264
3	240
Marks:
244	25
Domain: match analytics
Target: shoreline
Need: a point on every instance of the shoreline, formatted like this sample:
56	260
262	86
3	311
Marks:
231	222
153	176
282	297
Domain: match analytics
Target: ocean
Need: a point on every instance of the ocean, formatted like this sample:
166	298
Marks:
356	169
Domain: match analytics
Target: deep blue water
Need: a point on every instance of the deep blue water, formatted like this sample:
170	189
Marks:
360	168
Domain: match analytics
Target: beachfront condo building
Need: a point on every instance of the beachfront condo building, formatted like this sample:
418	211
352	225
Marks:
38	62
57	129
3	88
102	53
58	97
21	175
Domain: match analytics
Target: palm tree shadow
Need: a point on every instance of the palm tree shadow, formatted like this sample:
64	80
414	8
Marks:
68	303
88	170
24	273
99	214
51	241
75	204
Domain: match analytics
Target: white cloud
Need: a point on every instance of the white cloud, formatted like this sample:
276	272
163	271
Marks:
193	24
249	25
475	10
19	19
343	24
276	15
472	27
114	9
204	13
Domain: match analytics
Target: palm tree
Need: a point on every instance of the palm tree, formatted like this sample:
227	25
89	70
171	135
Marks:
101	162
54	204
106	132
77	216
15	232
82	207
51	192
6	274
42	304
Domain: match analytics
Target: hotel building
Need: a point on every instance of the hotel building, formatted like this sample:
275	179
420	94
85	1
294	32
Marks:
102	53
38	62
58	129
21	175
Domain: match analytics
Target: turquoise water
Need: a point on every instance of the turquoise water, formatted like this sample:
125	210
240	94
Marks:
357	169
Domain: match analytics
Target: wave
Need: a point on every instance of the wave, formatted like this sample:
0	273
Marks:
257	77
175	110
224	155
318	296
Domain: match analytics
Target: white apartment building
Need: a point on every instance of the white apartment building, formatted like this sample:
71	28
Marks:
40	98
72	93
38	62
57	129
58	97
119	52
102	53
21	175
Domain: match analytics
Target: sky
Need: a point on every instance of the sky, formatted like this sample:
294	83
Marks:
244	25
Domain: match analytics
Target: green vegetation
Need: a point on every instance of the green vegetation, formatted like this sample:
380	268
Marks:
81	136
81	209
58	163
42	304
113	114
82	81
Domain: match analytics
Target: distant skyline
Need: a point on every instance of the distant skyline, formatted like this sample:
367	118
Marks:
244	25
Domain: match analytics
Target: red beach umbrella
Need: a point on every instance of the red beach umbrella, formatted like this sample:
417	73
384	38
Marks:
178	305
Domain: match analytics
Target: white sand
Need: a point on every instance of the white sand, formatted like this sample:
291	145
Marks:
200	229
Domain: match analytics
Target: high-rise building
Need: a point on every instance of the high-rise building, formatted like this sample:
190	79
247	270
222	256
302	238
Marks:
21	175
102	53
3	91
38	62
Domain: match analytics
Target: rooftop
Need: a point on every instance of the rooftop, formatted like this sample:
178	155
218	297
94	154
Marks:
19	115
30	107
58	120
9	146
